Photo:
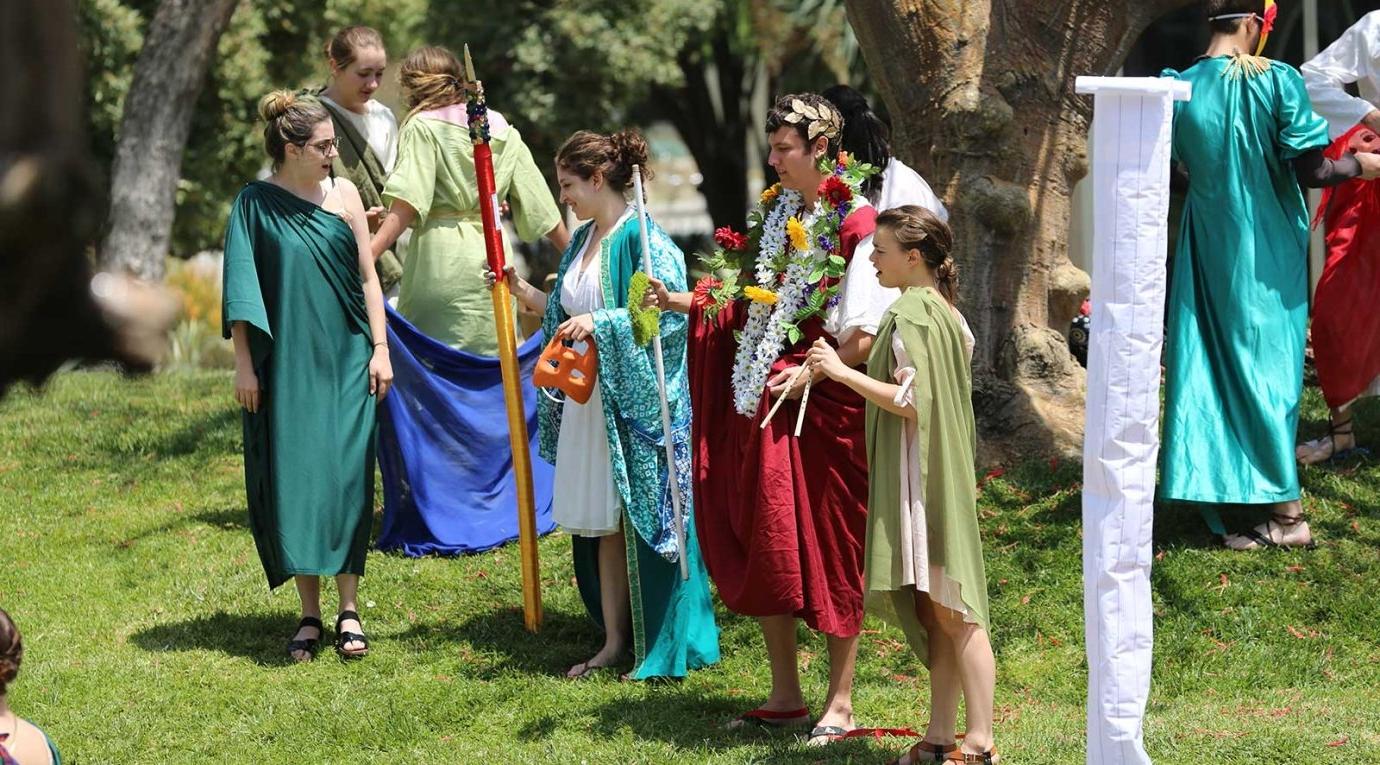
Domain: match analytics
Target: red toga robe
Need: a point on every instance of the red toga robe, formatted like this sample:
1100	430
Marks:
1346	328
781	520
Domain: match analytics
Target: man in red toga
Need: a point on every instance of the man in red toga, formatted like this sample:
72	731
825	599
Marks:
781	519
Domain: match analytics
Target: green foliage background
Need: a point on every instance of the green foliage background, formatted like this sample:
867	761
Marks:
553	66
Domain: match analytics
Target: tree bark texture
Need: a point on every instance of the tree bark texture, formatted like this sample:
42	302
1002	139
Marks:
168	76
712	112
983	105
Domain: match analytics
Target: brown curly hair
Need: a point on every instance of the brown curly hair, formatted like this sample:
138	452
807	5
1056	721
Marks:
586	152
11	651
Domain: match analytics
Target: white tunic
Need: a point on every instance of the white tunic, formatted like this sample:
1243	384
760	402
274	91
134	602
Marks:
1353	58
586	501
917	569
379	128
862	299
903	186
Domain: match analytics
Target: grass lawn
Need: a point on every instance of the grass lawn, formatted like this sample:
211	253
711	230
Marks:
152	638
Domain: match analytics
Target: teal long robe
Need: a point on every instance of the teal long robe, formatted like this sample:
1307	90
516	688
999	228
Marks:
292	275
673	620
1238	299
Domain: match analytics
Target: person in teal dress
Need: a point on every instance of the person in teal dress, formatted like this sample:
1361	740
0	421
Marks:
21	742
611	488
303	306
1238	299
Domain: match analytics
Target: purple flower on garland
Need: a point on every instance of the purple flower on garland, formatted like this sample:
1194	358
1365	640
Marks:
826	243
833	301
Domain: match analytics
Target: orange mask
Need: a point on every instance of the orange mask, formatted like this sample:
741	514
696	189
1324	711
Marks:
563	368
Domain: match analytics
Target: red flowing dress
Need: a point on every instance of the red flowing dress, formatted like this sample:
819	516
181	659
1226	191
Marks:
1346	327
781	520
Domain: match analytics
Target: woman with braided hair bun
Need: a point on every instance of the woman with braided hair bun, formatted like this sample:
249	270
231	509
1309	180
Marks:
612	476
21	742
923	562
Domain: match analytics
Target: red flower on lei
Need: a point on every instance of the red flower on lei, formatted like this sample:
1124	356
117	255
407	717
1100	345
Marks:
730	240
703	287
835	191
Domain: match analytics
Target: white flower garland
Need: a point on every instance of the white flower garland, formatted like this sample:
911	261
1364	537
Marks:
764	334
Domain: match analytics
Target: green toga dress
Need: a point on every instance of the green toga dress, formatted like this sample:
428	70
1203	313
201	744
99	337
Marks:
922	529
443	290
292	275
1238	299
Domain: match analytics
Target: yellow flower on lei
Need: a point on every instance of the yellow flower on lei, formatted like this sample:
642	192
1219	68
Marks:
800	238
759	295
770	194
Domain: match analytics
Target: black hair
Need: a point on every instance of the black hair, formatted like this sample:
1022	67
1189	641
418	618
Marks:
865	135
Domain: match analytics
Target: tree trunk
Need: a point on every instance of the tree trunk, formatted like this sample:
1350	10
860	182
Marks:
713	113
168	76
981	96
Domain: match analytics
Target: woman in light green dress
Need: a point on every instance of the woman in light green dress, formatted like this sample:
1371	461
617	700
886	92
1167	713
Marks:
923	569
433	189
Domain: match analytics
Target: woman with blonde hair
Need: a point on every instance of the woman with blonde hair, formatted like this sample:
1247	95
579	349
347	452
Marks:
367	129
433	189
303	307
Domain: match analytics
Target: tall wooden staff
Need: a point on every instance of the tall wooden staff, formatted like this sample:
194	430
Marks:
676	502
478	112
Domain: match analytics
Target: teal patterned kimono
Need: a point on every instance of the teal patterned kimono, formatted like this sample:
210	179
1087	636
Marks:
673	620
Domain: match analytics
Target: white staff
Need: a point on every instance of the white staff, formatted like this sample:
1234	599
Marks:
676	502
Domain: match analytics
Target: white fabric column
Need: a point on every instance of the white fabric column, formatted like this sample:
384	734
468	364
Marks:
1132	123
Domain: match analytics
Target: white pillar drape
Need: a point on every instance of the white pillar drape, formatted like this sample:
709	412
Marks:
1132	127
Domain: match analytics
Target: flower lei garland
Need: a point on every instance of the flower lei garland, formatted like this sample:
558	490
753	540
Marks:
797	270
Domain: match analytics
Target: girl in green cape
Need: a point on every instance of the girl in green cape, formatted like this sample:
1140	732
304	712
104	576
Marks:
923	564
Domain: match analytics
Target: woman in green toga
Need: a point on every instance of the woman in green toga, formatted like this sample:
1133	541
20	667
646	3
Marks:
303	306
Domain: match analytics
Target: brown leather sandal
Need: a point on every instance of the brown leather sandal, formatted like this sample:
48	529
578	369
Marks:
925	752
989	757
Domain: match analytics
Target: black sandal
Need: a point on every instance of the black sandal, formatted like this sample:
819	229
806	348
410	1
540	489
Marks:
306	645
341	637
1334	455
1283	522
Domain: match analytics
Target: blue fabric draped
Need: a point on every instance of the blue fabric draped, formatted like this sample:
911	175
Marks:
447	466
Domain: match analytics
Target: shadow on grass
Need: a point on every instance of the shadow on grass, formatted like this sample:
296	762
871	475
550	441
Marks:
199	433
226	519
259	637
693	720
229	518
565	639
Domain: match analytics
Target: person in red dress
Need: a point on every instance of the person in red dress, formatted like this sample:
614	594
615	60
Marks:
781	519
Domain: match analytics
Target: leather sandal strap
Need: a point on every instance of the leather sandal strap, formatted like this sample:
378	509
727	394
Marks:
311	621
1285	521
